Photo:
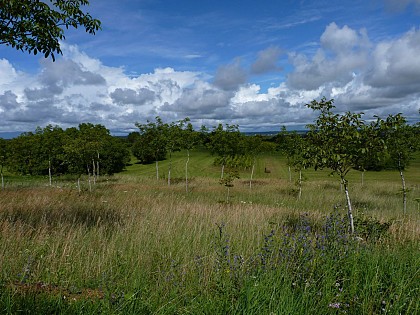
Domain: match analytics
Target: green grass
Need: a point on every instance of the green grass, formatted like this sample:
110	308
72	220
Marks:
135	245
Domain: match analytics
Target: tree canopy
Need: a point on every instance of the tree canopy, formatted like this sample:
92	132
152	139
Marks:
70	151
341	142
38	26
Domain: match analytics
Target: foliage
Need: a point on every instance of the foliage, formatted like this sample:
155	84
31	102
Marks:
371	229
226	142
151	144
189	138
38	26
228	180
66	151
3	152
341	142
400	139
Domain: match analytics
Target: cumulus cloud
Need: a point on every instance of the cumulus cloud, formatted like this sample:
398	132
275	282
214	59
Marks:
231	76
8	73
267	61
130	96
396	63
65	72
8	101
202	100
343	51
361	75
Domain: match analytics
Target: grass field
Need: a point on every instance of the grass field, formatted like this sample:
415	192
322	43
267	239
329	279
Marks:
136	245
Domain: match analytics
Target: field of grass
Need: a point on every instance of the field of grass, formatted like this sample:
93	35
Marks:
136	245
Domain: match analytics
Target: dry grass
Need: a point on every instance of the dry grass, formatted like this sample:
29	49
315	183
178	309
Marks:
132	230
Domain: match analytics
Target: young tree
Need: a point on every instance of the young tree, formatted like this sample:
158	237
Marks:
96	138
76	157
225	143
401	140
297	158
339	142
24	154
114	155
90	144
287	147
152	142
51	141
252	147
173	142
3	158
190	138
38	26
228	180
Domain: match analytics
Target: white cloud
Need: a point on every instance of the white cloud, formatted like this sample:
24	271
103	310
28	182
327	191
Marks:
361	75
267	60
8	73
231	76
396	63
342	52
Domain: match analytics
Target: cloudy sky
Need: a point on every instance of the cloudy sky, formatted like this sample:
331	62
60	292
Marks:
252	63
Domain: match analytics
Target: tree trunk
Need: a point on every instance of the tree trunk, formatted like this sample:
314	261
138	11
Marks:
349	207
94	172
290	175
186	171
363	177
404	191
300	184
97	167
228	192
223	170
252	175
157	170
88	171
170	167
2	178
49	171
78	184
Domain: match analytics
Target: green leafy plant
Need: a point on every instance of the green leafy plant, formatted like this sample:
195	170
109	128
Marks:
341	142
228	180
38	26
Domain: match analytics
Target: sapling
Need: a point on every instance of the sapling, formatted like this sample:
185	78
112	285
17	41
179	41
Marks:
228	180
173	142
401	144
3	152
225	142
190	139
1	173
341	142
153	140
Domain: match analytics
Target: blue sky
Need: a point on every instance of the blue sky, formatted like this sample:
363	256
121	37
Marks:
250	63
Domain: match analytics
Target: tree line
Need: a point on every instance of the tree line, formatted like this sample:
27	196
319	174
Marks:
339	142
89	149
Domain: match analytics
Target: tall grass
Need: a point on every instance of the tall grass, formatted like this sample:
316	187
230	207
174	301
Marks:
135	245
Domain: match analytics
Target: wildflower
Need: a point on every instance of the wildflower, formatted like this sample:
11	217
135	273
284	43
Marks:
334	305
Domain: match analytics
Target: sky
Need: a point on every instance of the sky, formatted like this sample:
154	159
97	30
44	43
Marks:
251	63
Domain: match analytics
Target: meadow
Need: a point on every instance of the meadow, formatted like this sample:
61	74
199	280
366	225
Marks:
136	245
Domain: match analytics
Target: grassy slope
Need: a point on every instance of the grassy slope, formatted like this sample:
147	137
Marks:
135	245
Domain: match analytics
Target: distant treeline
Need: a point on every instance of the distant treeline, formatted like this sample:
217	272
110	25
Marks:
91	149
88	149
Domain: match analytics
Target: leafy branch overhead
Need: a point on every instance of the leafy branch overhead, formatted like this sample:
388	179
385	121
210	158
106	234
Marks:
38	26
